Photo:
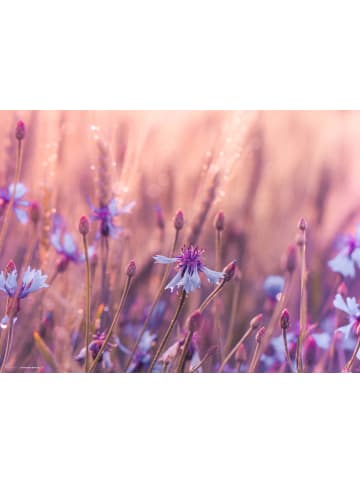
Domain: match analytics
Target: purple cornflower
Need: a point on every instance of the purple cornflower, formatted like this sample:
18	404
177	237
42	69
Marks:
94	347
106	214
19	202
65	245
349	256
189	265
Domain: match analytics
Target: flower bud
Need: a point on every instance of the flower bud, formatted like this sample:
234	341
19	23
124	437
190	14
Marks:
160	218
342	290
260	334
229	270
131	269
302	224
219	222
20	130
62	264
255	322
241	354
34	212
10	267
84	226
179	220
284	320
193	323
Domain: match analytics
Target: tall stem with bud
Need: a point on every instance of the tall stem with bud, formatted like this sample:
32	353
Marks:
20	135
178	225
303	293
84	228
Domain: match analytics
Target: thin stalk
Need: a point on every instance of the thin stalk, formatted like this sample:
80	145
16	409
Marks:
233	351
8	344
203	360
112	326
286	347
104	247
218	244
168	331
181	364
234	305
303	306
254	357
211	296
154	303
45	351
274	318
353	356
8	210
87	303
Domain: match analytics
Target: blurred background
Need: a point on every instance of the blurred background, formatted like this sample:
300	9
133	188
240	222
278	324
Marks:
263	169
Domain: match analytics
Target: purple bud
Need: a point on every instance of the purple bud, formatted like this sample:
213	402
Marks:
255	322
194	321
20	130
260	334
131	268
229	271
62	264
342	289
179	220
219	222
284	320
160	218
34	212
241	354
84	225
302	224
10	267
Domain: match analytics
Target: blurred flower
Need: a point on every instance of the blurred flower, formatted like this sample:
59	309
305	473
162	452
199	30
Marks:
65	245
94	348
142	356
189	265
351	308
273	286
349	256
19	202
106	215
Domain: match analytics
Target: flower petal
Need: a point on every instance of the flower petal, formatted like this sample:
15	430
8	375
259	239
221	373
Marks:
163	259
211	275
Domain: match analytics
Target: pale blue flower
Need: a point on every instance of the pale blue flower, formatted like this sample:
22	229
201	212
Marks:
33	280
273	286
349	256
189	266
19	203
351	308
